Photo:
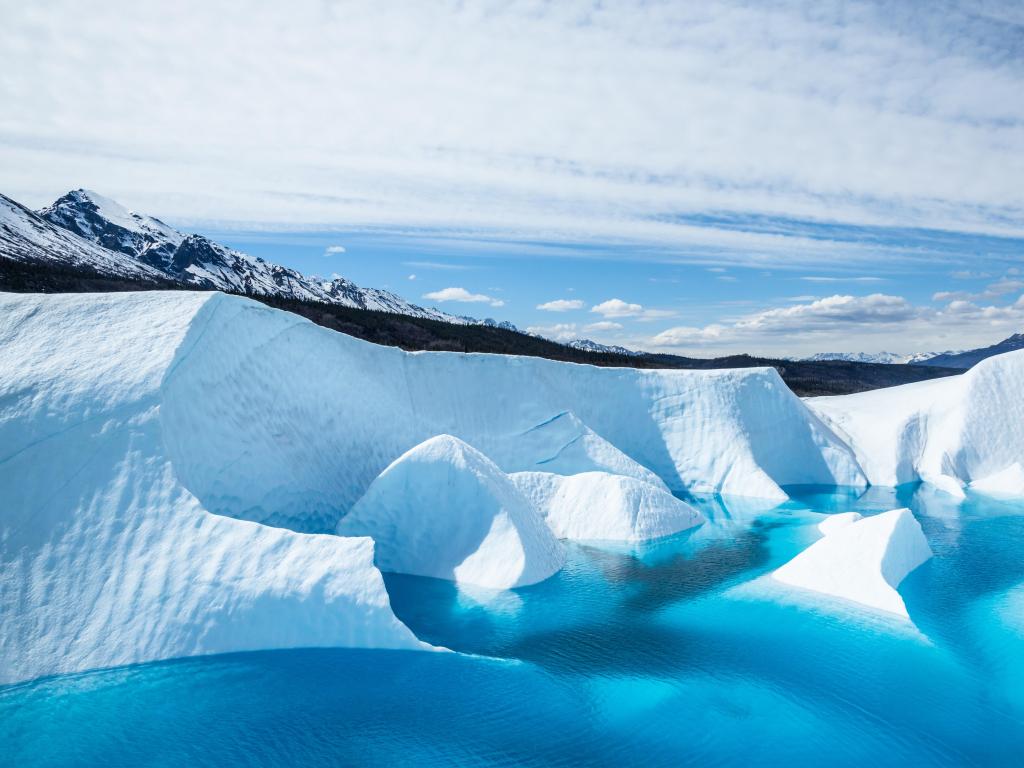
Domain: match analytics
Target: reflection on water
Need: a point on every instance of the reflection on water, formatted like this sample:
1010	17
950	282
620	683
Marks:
649	655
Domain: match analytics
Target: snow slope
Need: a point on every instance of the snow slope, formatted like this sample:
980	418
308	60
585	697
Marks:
599	506
863	561
443	509
949	432
105	558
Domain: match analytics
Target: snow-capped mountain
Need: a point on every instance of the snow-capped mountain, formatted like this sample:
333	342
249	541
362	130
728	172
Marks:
86	228
592	346
971	357
886	358
26	237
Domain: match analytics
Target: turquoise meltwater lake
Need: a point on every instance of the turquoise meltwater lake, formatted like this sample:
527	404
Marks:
677	652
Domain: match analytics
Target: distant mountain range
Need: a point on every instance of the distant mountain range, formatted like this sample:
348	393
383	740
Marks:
592	346
972	357
962	359
83	229
885	358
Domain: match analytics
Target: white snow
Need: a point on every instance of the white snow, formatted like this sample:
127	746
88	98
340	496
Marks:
443	509
1008	483
139	431
563	445
25	237
863	561
598	506
948	432
837	522
105	558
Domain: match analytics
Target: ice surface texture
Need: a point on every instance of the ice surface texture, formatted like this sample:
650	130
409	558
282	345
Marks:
105	557
953	432
863	561
174	467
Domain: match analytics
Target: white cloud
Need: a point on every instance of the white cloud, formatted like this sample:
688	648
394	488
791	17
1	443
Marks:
994	290
617	308
462	295
602	325
332	249
561	305
411	277
851	323
556	332
866	117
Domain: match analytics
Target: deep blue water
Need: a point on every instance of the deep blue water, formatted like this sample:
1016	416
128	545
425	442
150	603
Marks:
666	655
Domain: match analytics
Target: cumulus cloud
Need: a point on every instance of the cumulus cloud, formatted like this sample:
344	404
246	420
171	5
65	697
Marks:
462	295
617	308
332	249
556	332
837	320
561	305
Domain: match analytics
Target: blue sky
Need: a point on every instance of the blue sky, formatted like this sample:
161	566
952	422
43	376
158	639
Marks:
697	162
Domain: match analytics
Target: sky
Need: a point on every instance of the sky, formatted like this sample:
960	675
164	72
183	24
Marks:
777	178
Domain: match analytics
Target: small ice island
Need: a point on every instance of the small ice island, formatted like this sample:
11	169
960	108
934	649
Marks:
861	559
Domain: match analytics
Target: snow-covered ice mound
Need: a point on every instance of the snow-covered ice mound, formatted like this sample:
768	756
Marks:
1007	483
105	558
443	509
952	432
598	506
563	445
838	521
863	561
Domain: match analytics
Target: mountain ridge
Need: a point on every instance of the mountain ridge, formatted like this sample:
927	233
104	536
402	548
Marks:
153	249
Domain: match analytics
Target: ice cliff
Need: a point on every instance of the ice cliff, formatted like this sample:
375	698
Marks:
105	557
953	432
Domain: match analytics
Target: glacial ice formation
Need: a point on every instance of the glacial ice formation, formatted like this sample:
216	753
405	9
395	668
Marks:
598	506
838	521
952	432
863	562
105	557
443	509
1007	483
271	418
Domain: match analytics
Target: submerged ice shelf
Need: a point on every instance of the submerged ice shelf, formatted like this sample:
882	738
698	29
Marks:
207	449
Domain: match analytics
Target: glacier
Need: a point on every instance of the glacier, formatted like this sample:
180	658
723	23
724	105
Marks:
445	510
177	466
863	561
105	557
961	431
